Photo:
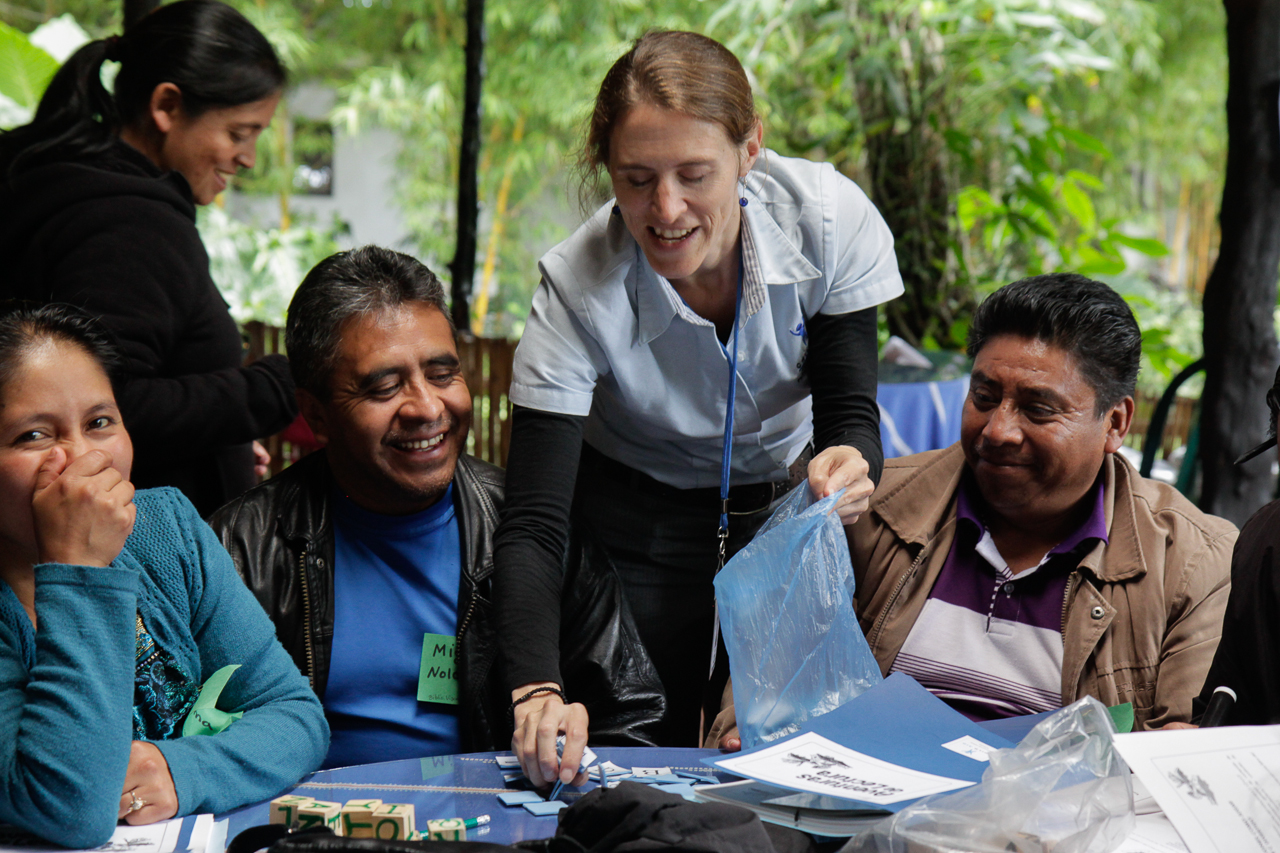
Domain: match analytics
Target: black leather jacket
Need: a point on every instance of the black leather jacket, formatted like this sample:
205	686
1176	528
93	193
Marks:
280	536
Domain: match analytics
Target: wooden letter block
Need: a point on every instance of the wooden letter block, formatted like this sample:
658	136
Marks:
357	818
393	821
448	829
285	809
319	813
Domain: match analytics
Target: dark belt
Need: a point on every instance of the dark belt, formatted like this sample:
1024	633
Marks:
745	499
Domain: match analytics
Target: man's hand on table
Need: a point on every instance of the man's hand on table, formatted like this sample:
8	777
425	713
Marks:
538	722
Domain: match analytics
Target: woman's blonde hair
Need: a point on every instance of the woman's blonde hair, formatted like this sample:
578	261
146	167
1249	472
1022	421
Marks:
681	71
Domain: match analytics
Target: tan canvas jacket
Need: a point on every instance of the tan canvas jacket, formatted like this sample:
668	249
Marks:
1142	613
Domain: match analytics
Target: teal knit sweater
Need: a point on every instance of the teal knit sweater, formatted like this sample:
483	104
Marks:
66	691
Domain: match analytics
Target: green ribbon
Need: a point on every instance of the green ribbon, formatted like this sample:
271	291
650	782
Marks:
205	718
1122	717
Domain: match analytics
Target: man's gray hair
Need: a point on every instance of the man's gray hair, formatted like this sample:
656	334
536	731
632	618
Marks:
358	283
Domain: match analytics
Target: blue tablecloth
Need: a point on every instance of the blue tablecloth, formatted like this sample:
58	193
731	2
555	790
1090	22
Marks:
919	416
461	786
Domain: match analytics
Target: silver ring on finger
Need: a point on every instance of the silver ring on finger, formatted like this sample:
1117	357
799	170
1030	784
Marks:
135	803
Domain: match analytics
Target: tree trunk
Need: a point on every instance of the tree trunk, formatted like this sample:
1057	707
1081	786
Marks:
463	266
911	181
1240	296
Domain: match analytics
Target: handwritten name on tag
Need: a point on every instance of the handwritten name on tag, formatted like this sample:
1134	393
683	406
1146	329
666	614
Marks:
438	674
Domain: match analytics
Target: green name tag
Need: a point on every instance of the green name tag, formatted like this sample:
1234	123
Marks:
438	676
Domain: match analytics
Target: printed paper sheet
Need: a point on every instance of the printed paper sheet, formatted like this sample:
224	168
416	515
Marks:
1219	787
813	763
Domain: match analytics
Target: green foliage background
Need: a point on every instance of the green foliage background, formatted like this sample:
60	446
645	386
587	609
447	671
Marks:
1002	137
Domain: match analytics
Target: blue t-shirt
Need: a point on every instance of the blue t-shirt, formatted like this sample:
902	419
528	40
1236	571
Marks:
395	578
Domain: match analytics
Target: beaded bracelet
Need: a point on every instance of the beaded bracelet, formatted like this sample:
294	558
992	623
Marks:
534	692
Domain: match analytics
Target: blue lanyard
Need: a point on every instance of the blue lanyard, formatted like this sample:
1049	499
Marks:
728	422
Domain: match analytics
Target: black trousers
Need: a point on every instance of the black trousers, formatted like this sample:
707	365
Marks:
663	541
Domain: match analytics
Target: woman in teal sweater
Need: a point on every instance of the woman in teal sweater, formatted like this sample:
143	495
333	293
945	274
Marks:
115	608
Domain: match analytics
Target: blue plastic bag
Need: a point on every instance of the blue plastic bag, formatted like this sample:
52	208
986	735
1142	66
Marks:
786	611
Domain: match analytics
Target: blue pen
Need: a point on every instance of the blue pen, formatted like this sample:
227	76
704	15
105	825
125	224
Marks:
555	792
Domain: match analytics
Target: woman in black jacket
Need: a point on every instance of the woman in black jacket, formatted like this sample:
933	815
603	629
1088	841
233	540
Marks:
97	209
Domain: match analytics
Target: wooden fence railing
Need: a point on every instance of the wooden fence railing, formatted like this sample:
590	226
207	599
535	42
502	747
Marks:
486	365
1176	430
260	340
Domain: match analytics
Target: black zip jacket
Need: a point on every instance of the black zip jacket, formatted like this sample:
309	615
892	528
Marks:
1250	643
117	237
280	536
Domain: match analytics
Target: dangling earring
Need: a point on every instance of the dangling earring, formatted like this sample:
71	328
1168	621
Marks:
617	211
743	201
742	191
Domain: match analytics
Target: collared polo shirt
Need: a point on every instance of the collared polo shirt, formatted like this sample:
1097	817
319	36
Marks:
989	643
610	339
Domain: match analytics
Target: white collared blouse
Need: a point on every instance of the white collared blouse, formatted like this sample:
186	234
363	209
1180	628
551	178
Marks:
609	338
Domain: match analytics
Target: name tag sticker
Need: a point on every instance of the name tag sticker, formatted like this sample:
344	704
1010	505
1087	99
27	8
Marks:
438	676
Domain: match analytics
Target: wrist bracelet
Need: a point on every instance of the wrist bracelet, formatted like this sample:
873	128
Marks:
534	692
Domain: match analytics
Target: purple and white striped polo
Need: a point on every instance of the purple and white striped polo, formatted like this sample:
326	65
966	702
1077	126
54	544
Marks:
989	643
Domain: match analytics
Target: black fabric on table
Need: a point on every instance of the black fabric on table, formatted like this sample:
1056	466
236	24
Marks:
636	817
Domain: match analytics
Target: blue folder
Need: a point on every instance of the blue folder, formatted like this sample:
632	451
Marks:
900	722
1015	728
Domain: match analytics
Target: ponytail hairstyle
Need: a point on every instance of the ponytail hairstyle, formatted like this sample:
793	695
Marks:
207	49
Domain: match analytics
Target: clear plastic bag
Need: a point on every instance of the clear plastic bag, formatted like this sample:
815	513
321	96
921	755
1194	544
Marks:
786	611
1064	789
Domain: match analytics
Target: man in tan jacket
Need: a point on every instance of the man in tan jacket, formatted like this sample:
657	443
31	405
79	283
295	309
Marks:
1030	564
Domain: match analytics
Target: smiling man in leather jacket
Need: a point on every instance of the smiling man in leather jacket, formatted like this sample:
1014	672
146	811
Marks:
373	556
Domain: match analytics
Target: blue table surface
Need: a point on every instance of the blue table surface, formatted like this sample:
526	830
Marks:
462	786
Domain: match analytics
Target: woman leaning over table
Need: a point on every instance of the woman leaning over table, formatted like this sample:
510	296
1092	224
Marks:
115	607
713	246
98	200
